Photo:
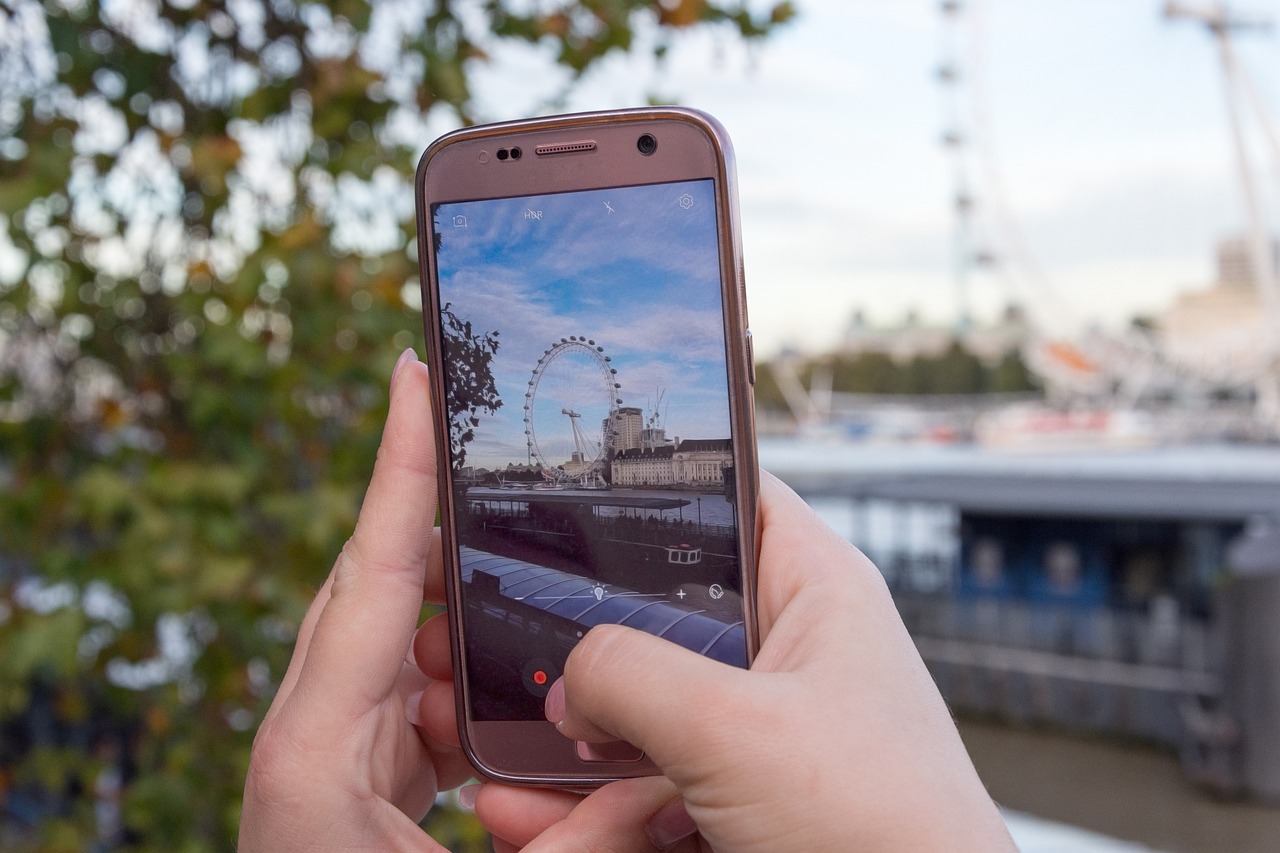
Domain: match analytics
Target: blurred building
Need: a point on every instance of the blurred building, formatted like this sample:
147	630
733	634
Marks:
1235	261
913	338
1223	329
901	342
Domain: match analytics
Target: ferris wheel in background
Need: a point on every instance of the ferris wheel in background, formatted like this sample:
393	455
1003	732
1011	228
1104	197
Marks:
988	237
570	408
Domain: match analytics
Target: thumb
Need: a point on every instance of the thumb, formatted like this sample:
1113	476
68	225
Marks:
357	647
623	684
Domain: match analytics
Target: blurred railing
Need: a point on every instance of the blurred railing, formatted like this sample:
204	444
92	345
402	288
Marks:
1093	669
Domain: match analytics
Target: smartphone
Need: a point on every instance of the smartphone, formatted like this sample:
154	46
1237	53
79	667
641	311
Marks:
586	326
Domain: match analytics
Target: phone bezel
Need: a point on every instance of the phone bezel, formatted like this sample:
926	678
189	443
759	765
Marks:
691	146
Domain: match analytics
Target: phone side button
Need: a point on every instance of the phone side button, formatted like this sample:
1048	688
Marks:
751	358
614	750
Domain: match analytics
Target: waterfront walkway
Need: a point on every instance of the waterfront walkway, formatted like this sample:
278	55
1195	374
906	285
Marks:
1094	795
1037	835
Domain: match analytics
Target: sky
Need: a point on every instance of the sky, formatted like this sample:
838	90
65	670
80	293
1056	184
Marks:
639	280
1105	177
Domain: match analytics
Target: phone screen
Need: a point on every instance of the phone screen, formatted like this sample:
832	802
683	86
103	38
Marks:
589	429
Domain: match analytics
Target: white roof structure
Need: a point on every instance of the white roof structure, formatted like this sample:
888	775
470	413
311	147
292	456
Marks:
1188	483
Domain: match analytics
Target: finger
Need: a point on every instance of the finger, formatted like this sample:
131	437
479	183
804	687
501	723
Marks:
518	815
613	819
431	648
452	767
433	588
299	656
433	591
356	650
624	684
436	713
670	825
798	551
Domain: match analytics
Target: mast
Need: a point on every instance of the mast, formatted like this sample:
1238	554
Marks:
1221	23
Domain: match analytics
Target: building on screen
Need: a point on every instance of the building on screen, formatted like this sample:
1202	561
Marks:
692	462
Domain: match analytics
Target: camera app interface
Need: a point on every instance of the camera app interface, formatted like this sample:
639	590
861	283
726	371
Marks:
589	433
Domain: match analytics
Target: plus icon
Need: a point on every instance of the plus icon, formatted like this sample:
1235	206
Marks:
681	594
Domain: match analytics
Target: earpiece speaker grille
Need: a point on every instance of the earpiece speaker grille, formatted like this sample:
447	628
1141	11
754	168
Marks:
565	147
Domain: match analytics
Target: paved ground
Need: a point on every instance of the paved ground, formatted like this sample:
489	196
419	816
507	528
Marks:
1123	797
1035	835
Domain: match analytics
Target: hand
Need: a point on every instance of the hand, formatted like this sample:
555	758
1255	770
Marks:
336	764
836	739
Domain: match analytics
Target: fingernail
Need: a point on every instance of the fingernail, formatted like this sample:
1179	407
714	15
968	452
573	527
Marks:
670	825
413	708
467	796
400	362
554	707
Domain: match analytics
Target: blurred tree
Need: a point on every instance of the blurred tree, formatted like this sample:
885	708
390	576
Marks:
866	373
917	376
1011	375
206	272
956	370
768	395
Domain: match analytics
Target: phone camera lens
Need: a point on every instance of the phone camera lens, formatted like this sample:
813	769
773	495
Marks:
646	144
515	153
503	153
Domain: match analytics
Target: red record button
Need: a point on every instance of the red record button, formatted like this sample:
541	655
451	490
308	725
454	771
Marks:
538	675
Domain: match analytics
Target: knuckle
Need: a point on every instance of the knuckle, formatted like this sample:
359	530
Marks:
272	764
603	646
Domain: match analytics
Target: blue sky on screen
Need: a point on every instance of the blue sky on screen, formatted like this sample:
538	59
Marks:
641	281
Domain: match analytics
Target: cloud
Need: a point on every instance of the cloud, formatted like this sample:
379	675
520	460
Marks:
642	282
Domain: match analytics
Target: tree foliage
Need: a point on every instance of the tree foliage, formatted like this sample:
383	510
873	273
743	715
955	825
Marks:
955	370
206	273
471	388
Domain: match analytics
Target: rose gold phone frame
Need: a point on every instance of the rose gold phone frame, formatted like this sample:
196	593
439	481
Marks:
557	158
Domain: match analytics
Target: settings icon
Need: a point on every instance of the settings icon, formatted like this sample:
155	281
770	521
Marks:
685	201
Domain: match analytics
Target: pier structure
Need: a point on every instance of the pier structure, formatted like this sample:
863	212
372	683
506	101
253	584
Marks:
1101	592
641	540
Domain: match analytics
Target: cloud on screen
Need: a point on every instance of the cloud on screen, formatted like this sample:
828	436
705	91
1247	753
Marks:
643	282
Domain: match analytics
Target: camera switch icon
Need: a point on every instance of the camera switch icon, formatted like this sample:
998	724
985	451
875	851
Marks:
459	221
